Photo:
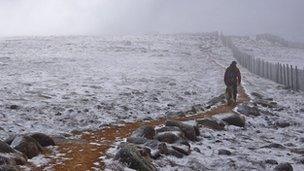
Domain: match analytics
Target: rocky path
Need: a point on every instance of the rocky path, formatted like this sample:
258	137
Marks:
84	153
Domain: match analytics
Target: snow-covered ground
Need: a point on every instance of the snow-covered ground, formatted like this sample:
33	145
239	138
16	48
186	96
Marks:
248	145
70	83
270	52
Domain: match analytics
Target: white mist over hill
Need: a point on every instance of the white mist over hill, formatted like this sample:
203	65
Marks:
70	17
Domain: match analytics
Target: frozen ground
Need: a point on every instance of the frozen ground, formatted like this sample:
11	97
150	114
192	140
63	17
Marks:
58	84
270	52
249	145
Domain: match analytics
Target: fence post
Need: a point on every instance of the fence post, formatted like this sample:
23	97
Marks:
297	78
291	77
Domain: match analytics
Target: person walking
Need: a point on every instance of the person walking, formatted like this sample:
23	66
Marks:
232	79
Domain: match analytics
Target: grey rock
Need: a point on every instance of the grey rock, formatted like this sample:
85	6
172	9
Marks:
9	168
130	156
232	119
42	139
168	137
224	152
168	128
248	110
27	145
188	130
212	123
271	161
284	167
5	148
144	131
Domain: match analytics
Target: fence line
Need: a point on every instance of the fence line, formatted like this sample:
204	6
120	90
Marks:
285	74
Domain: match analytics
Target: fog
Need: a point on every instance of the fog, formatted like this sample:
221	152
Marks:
94	17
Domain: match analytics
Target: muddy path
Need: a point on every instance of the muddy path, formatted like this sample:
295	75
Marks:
85	153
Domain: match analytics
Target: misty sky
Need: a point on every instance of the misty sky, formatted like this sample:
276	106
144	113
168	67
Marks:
70	17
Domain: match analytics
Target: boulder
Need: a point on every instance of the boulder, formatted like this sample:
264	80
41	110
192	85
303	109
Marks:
271	161
136	140
212	123
248	110
14	158
144	131
282	124
182	148
168	137
27	145
130	156
188	130
224	152
42	139
284	167
5	148
232	119
9	168
168	128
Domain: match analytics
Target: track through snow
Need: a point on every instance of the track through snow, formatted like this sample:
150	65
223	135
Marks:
85	153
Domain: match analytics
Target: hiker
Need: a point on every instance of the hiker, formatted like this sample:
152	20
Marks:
232	79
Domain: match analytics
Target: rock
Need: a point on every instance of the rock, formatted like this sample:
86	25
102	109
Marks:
266	103
42	139
283	167
248	111
212	123
271	161
144	131
168	137
167	129
282	124
136	140
216	100
163	148
188	130
5	148
155	154
27	145
232	119
184	149
14	107
9	168
224	152
130	156
175	153
197	149
10	139
5	160
274	145
14	158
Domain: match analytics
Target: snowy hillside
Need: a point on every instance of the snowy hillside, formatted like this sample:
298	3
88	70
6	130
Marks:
271	52
59	84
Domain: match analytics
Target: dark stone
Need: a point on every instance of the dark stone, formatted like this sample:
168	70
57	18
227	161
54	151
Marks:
274	145
42	139
284	167
5	160
271	161
27	145
184	149
9	168
224	152
197	149
13	158
168	128
136	140
282	124
5	148
257	95
14	107
188	130
144	131
248	111
167	137
212	123
130	156
233	119
163	148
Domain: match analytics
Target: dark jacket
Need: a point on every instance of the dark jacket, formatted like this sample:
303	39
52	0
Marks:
232	76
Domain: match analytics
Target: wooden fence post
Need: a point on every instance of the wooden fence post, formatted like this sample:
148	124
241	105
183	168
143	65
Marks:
297	78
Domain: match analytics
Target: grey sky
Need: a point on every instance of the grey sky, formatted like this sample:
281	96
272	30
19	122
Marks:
62	17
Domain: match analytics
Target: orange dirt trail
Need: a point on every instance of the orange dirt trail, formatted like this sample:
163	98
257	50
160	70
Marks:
82	154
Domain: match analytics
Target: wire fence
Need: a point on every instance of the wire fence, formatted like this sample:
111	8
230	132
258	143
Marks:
285	74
